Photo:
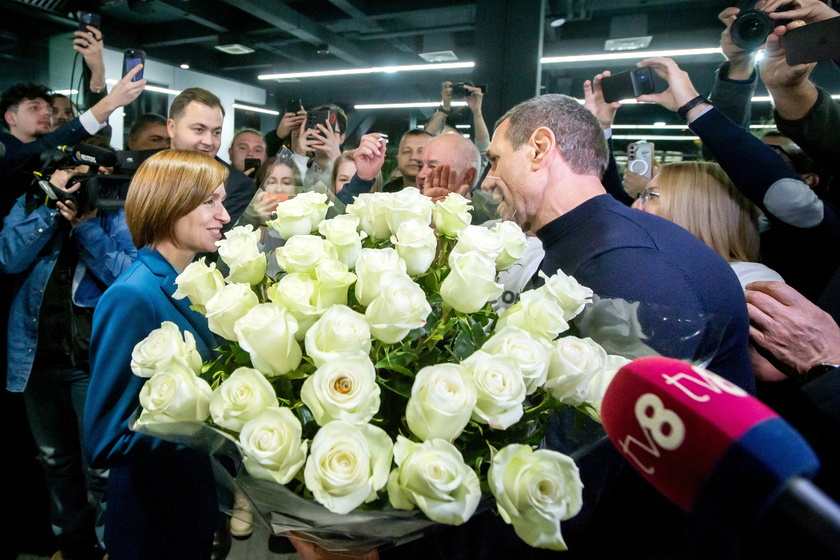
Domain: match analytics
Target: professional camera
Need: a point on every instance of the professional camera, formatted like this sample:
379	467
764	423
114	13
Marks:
104	192
459	91
751	28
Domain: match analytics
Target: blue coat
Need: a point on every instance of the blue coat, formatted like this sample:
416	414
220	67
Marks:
161	497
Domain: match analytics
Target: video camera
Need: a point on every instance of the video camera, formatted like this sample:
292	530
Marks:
104	192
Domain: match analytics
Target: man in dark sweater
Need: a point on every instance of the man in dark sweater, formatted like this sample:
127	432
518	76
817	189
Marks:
548	155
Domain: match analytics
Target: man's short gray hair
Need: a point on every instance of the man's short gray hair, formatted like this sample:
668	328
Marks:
577	132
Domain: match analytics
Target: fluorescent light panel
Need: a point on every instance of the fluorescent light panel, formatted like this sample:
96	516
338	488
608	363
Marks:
373	70
255	109
66	91
158	89
628	55
654	137
417	105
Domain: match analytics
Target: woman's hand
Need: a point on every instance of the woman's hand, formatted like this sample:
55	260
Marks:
370	156
680	89
593	99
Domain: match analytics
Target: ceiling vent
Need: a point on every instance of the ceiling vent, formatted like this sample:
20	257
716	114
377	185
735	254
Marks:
439	56
627	43
234	48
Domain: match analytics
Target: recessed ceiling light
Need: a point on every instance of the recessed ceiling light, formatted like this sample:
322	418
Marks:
627	43
234	48
557	22
185	66
439	56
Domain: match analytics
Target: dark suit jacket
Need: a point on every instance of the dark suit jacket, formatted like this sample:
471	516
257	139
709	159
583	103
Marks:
161	497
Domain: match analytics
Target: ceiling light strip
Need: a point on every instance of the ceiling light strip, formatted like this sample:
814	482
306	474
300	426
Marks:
655	137
417	105
373	70
255	109
157	89
629	55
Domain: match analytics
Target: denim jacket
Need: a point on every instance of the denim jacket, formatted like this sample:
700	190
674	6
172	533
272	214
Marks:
30	245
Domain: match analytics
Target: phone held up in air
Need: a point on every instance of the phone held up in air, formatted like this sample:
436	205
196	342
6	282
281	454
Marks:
325	117
627	85
640	158
132	58
293	105
813	42
88	18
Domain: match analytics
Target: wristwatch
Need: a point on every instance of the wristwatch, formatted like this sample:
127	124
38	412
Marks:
817	371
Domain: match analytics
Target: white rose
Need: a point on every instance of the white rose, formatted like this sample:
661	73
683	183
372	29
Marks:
441	403
292	219
599	383
174	394
571	296
534	491
433	476
400	307
272	446
302	253
514	243
406	205
372	211
240	251
416	244
228	306
342	389
574	363
297	292
532	354
339	333
536	313
342	232
240	398
267	332
452	214
300	215
371	265
479	239
500	388
162	346
199	282
347	465
334	279
470	283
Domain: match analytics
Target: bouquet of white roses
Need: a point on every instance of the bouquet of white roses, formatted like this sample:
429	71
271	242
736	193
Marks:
373	373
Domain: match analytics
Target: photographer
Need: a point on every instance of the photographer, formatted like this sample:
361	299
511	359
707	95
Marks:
473	98
27	114
64	257
317	148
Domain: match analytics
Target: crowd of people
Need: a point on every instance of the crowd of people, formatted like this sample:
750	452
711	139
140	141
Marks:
750	237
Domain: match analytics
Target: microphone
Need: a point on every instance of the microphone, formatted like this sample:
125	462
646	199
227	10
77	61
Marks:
714	450
91	155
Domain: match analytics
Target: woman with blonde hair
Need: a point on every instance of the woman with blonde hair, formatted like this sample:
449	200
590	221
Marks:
701	198
161	497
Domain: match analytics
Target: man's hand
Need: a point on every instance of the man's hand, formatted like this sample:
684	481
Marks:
441	181
327	140
741	62
121	95
593	99
89	43
680	89
68	209
370	156
809	11
474	100
792	93
797	333
290	122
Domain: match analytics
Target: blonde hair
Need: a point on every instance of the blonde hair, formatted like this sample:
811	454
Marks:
701	198
168	186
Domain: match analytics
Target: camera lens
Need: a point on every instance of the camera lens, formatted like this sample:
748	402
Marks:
750	29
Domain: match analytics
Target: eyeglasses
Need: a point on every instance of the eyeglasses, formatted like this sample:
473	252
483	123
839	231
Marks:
647	194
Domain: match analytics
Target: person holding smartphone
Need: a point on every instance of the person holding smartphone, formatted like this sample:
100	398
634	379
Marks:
319	144
247	151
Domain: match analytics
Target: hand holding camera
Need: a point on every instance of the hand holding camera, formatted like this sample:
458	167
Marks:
292	119
593	99
680	89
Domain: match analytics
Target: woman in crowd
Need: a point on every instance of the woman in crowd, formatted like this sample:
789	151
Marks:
701	198
161	497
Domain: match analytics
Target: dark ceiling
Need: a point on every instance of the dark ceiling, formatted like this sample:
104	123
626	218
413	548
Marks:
294	35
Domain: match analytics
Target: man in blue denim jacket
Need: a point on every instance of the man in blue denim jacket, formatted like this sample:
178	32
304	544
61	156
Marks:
65	258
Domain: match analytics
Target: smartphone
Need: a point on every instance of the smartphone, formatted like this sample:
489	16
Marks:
626	85
293	105
88	18
251	163
325	117
277	198
131	58
813	42
640	158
